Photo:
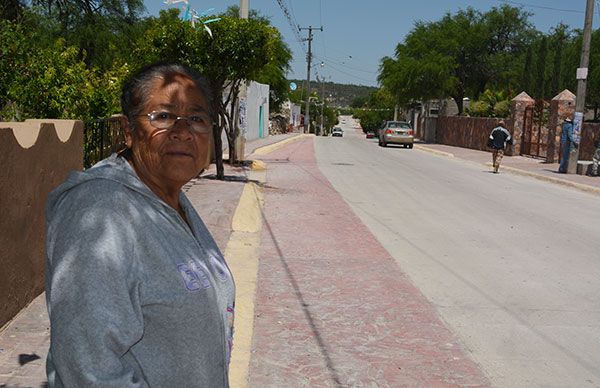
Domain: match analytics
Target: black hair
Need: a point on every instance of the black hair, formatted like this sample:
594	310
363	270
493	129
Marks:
136	90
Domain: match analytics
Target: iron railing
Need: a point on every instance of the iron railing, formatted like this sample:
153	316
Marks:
102	138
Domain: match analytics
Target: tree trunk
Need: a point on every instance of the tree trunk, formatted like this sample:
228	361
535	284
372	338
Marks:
231	121
459	103
217	128
218	152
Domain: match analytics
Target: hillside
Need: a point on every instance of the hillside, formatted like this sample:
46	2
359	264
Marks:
338	95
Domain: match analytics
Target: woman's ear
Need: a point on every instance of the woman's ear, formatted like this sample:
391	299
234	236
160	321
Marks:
124	123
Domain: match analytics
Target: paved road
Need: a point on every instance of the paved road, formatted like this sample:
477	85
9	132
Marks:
333	309
511	264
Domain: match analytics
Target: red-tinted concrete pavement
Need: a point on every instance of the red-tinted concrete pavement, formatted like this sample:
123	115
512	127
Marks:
332	307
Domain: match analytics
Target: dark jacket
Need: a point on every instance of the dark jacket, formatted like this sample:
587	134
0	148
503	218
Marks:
499	137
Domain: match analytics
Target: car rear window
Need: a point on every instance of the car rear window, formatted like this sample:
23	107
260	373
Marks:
399	125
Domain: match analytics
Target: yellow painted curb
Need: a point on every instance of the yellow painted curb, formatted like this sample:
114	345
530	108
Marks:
544	178
258	165
248	215
432	151
274	146
242	255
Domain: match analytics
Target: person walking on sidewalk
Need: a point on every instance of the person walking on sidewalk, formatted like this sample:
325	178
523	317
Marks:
138	293
567	142
497	141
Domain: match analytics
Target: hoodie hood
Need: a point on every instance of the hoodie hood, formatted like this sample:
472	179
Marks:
114	168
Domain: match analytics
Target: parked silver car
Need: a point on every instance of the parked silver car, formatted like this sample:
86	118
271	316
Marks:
396	132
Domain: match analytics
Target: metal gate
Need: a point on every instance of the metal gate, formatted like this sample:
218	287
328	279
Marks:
102	138
535	130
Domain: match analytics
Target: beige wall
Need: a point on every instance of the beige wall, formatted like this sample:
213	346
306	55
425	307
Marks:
35	156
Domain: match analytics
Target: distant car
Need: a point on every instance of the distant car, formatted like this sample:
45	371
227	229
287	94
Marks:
396	132
370	135
337	131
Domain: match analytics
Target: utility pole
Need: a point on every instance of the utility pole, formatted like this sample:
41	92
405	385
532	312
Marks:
322	103
243	9
582	73
308	61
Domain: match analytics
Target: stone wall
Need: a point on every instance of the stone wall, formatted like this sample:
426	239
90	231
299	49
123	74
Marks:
472	132
590	133
35	156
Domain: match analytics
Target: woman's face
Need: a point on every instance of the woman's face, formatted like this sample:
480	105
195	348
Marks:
165	159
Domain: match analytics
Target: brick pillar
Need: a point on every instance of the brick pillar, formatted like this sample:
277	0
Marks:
517	115
561	107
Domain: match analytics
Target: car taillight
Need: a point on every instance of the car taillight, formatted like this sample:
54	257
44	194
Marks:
388	131
411	132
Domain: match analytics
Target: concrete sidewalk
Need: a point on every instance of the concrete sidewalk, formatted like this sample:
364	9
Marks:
24	341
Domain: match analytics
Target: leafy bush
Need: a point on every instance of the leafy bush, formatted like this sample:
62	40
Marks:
479	109
490	104
502	109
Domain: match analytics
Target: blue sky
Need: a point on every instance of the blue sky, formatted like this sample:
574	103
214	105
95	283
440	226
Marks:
357	34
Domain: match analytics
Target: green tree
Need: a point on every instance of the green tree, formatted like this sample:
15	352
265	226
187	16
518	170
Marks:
379	107
103	30
238	50
11	9
527	71
458	55
39	80
275	71
540	80
491	104
558	39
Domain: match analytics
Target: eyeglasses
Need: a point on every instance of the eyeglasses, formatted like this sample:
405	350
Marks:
200	123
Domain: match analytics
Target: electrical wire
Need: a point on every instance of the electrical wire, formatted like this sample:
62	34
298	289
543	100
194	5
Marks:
351	75
540	6
328	60
292	22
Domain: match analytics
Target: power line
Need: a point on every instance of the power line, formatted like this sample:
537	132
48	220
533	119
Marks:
351	75
292	23
328	60
540	6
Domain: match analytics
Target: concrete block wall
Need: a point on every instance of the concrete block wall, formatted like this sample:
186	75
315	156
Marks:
36	156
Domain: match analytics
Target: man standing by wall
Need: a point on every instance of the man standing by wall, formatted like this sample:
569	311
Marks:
497	141
566	142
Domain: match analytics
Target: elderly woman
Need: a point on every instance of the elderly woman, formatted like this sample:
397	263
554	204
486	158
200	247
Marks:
138	293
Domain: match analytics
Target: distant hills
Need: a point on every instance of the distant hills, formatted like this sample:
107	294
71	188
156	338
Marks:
338	95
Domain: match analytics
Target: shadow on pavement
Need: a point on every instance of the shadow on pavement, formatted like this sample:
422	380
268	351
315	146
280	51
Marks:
321	344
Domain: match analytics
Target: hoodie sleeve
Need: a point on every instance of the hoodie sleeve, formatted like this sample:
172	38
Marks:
93	297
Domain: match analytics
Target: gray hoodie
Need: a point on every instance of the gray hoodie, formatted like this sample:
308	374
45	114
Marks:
136	298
